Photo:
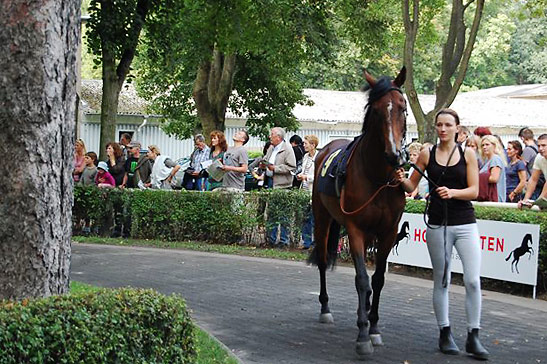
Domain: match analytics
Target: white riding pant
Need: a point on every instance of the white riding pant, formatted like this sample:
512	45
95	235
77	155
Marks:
466	240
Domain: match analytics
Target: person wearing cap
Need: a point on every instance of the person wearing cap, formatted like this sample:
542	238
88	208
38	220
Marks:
103	178
137	167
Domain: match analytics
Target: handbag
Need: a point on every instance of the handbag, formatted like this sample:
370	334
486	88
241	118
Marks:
488	191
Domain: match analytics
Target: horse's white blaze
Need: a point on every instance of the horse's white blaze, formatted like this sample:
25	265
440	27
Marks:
391	136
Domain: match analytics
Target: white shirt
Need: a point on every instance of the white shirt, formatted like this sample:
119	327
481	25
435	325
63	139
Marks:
308	169
276	150
541	164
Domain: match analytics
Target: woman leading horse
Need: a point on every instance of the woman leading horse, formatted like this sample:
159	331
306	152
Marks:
370	204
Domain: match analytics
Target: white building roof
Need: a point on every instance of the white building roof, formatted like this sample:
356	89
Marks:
505	106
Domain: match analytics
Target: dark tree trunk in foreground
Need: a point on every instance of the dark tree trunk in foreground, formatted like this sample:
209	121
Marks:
38	43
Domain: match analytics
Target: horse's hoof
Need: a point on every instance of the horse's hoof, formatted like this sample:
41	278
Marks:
326	318
376	339
364	348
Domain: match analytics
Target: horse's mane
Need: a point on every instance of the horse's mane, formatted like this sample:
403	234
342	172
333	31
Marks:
382	87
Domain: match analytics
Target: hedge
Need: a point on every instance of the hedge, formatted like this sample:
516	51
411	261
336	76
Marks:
108	326
231	218
188	215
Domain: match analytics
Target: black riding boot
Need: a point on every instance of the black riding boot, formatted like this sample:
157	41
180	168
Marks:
474	347
446	342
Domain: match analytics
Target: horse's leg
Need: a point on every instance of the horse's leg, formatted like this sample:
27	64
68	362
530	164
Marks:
362	284
322	224
378	278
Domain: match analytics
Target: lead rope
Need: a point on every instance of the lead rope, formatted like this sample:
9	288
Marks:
343	194
445	212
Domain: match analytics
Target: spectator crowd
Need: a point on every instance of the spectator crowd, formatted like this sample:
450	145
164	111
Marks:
512	173
214	167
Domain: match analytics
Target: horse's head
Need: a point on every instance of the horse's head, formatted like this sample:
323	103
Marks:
387	102
527	239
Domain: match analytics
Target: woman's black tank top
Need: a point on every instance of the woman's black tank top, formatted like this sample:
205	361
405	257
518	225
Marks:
459	212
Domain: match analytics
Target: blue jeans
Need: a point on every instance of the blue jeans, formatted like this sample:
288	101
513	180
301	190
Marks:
307	229
284	236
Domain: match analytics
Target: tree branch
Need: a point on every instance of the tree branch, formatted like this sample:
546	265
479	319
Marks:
467	53
143	6
411	30
226	83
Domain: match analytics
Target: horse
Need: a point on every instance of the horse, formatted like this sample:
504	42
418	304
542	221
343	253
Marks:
370	203
520	251
401	235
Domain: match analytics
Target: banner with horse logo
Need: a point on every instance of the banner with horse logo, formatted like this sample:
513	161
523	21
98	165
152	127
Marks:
509	250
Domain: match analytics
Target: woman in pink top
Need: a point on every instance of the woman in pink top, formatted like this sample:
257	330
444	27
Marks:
79	165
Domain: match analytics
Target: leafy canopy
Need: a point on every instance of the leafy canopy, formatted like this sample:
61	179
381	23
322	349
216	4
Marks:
272	40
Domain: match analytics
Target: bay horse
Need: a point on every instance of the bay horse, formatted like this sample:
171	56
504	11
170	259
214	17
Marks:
370	204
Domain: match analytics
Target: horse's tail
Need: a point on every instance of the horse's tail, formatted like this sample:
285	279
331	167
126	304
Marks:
332	247
508	257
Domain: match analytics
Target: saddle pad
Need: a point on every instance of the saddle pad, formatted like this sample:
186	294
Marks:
332	174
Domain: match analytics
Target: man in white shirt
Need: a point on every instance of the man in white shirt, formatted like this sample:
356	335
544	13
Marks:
540	166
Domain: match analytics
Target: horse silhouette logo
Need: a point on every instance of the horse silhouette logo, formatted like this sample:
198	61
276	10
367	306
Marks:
520	251
403	233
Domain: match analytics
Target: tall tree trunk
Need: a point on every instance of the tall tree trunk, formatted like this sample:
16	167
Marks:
38	42
114	75
109	103
212	90
456	54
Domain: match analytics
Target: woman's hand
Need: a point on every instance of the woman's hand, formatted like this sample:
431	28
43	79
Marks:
400	175
445	193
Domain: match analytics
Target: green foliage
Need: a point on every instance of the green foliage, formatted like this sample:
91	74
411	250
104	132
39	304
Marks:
110	27
108	326
179	215
529	50
182	35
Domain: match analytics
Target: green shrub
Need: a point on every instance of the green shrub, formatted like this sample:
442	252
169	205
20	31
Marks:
179	215
233	218
110	326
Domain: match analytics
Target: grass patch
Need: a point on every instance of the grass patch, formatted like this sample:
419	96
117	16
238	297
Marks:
208	350
79	287
247	250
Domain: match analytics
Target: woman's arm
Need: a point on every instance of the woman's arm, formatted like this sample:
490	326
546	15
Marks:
522	182
410	184
495	173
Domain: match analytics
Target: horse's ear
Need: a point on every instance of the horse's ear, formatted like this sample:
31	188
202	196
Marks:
401	77
371	80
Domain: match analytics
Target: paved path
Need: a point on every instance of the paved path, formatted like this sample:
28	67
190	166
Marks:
266	310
